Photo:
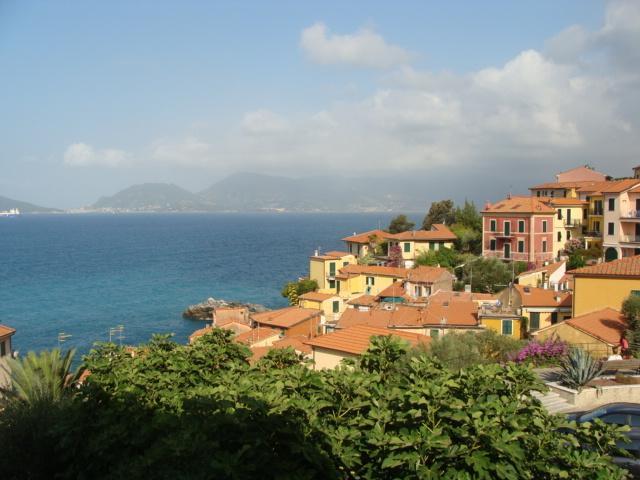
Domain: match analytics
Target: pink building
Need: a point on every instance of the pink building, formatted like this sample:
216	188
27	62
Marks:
518	228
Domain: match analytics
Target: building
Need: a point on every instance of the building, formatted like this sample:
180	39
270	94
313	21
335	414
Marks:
330	304
5	340
329	350
597	332
410	244
540	307
424	281
569	220
519	228
324	268
290	321
549	276
356	280
223	315
621	217
605	285
260	337
581	174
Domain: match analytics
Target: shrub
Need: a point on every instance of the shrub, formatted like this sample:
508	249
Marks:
549	352
293	290
579	368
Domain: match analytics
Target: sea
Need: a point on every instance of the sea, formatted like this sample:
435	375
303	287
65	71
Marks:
69	280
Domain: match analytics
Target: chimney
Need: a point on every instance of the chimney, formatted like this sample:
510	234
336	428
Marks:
557	297
315	253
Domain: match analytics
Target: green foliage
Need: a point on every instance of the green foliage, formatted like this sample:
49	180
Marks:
439	212
490	275
576	260
579	368
444	257
201	411
631	310
469	217
465	350
38	379
400	224
469	240
293	290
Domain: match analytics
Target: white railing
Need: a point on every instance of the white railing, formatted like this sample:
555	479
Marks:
630	238
630	214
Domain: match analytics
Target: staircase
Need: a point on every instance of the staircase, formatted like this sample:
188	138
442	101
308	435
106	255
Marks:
553	402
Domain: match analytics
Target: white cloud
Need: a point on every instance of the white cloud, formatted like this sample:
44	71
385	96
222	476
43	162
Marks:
190	151
364	48
263	122
83	155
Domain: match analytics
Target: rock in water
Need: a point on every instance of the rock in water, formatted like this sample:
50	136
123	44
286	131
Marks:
204	310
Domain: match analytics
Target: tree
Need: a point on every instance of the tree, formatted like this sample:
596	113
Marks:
37	379
293	290
631	310
468	240
443	257
389	415
490	275
400	224
468	216
439	212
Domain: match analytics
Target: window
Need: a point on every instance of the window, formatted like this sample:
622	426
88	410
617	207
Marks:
371	281
407	247
507	327
544	246
612	204
3	349
344	264
544	226
507	250
559	214
568	234
520	246
492	244
615	418
493	226
417	291
635	293
332	269
507	228
521	226
432	246
336	306
610	228
434	333
551	193
332	284
554	318
559	236
538	193
597	207
596	227
534	320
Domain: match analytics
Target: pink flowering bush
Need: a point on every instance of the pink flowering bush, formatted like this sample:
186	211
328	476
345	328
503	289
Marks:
543	353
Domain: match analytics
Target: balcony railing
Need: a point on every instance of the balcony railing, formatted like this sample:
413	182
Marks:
592	233
631	214
596	211
572	223
630	238
502	234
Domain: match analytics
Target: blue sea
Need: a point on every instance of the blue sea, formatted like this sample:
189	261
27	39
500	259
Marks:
85	274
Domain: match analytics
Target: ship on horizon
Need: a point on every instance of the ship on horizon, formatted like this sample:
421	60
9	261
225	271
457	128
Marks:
12	212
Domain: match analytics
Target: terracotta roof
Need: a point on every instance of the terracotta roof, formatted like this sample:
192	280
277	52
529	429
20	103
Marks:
438	232
607	325
581	172
448	296
564	185
296	342
198	333
365	237
623	267
396	289
617	186
520	205
549	269
285	317
317	296
374	270
558	201
257	335
235	327
356	340
364	300
541	297
427	274
6	331
441	313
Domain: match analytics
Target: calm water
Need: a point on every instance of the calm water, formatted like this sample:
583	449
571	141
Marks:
83	274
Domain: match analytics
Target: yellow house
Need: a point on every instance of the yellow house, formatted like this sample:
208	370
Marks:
356	280
330	304
605	285
363	244
324	268
539	306
549	276
505	323
568	221
597	332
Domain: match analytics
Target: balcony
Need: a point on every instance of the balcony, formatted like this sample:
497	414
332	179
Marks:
630	215
502	234
499	254
635	239
596	211
572	223
592	233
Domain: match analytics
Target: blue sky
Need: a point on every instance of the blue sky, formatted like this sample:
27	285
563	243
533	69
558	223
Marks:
97	96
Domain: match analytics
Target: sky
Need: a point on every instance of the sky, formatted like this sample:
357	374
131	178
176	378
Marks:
474	97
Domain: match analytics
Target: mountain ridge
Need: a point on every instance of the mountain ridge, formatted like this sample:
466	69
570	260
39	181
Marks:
7	203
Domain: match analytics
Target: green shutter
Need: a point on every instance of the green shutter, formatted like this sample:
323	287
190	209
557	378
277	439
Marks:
534	320
407	247
434	333
332	269
336	306
507	327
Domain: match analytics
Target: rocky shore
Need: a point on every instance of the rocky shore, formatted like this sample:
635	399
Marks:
204	310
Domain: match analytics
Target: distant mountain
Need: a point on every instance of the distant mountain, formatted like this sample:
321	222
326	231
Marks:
24	207
256	192
154	197
251	192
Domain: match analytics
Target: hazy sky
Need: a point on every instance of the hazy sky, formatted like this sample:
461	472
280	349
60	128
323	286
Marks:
96	96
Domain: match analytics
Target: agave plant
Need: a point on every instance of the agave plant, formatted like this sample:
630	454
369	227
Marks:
38	378
579	368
